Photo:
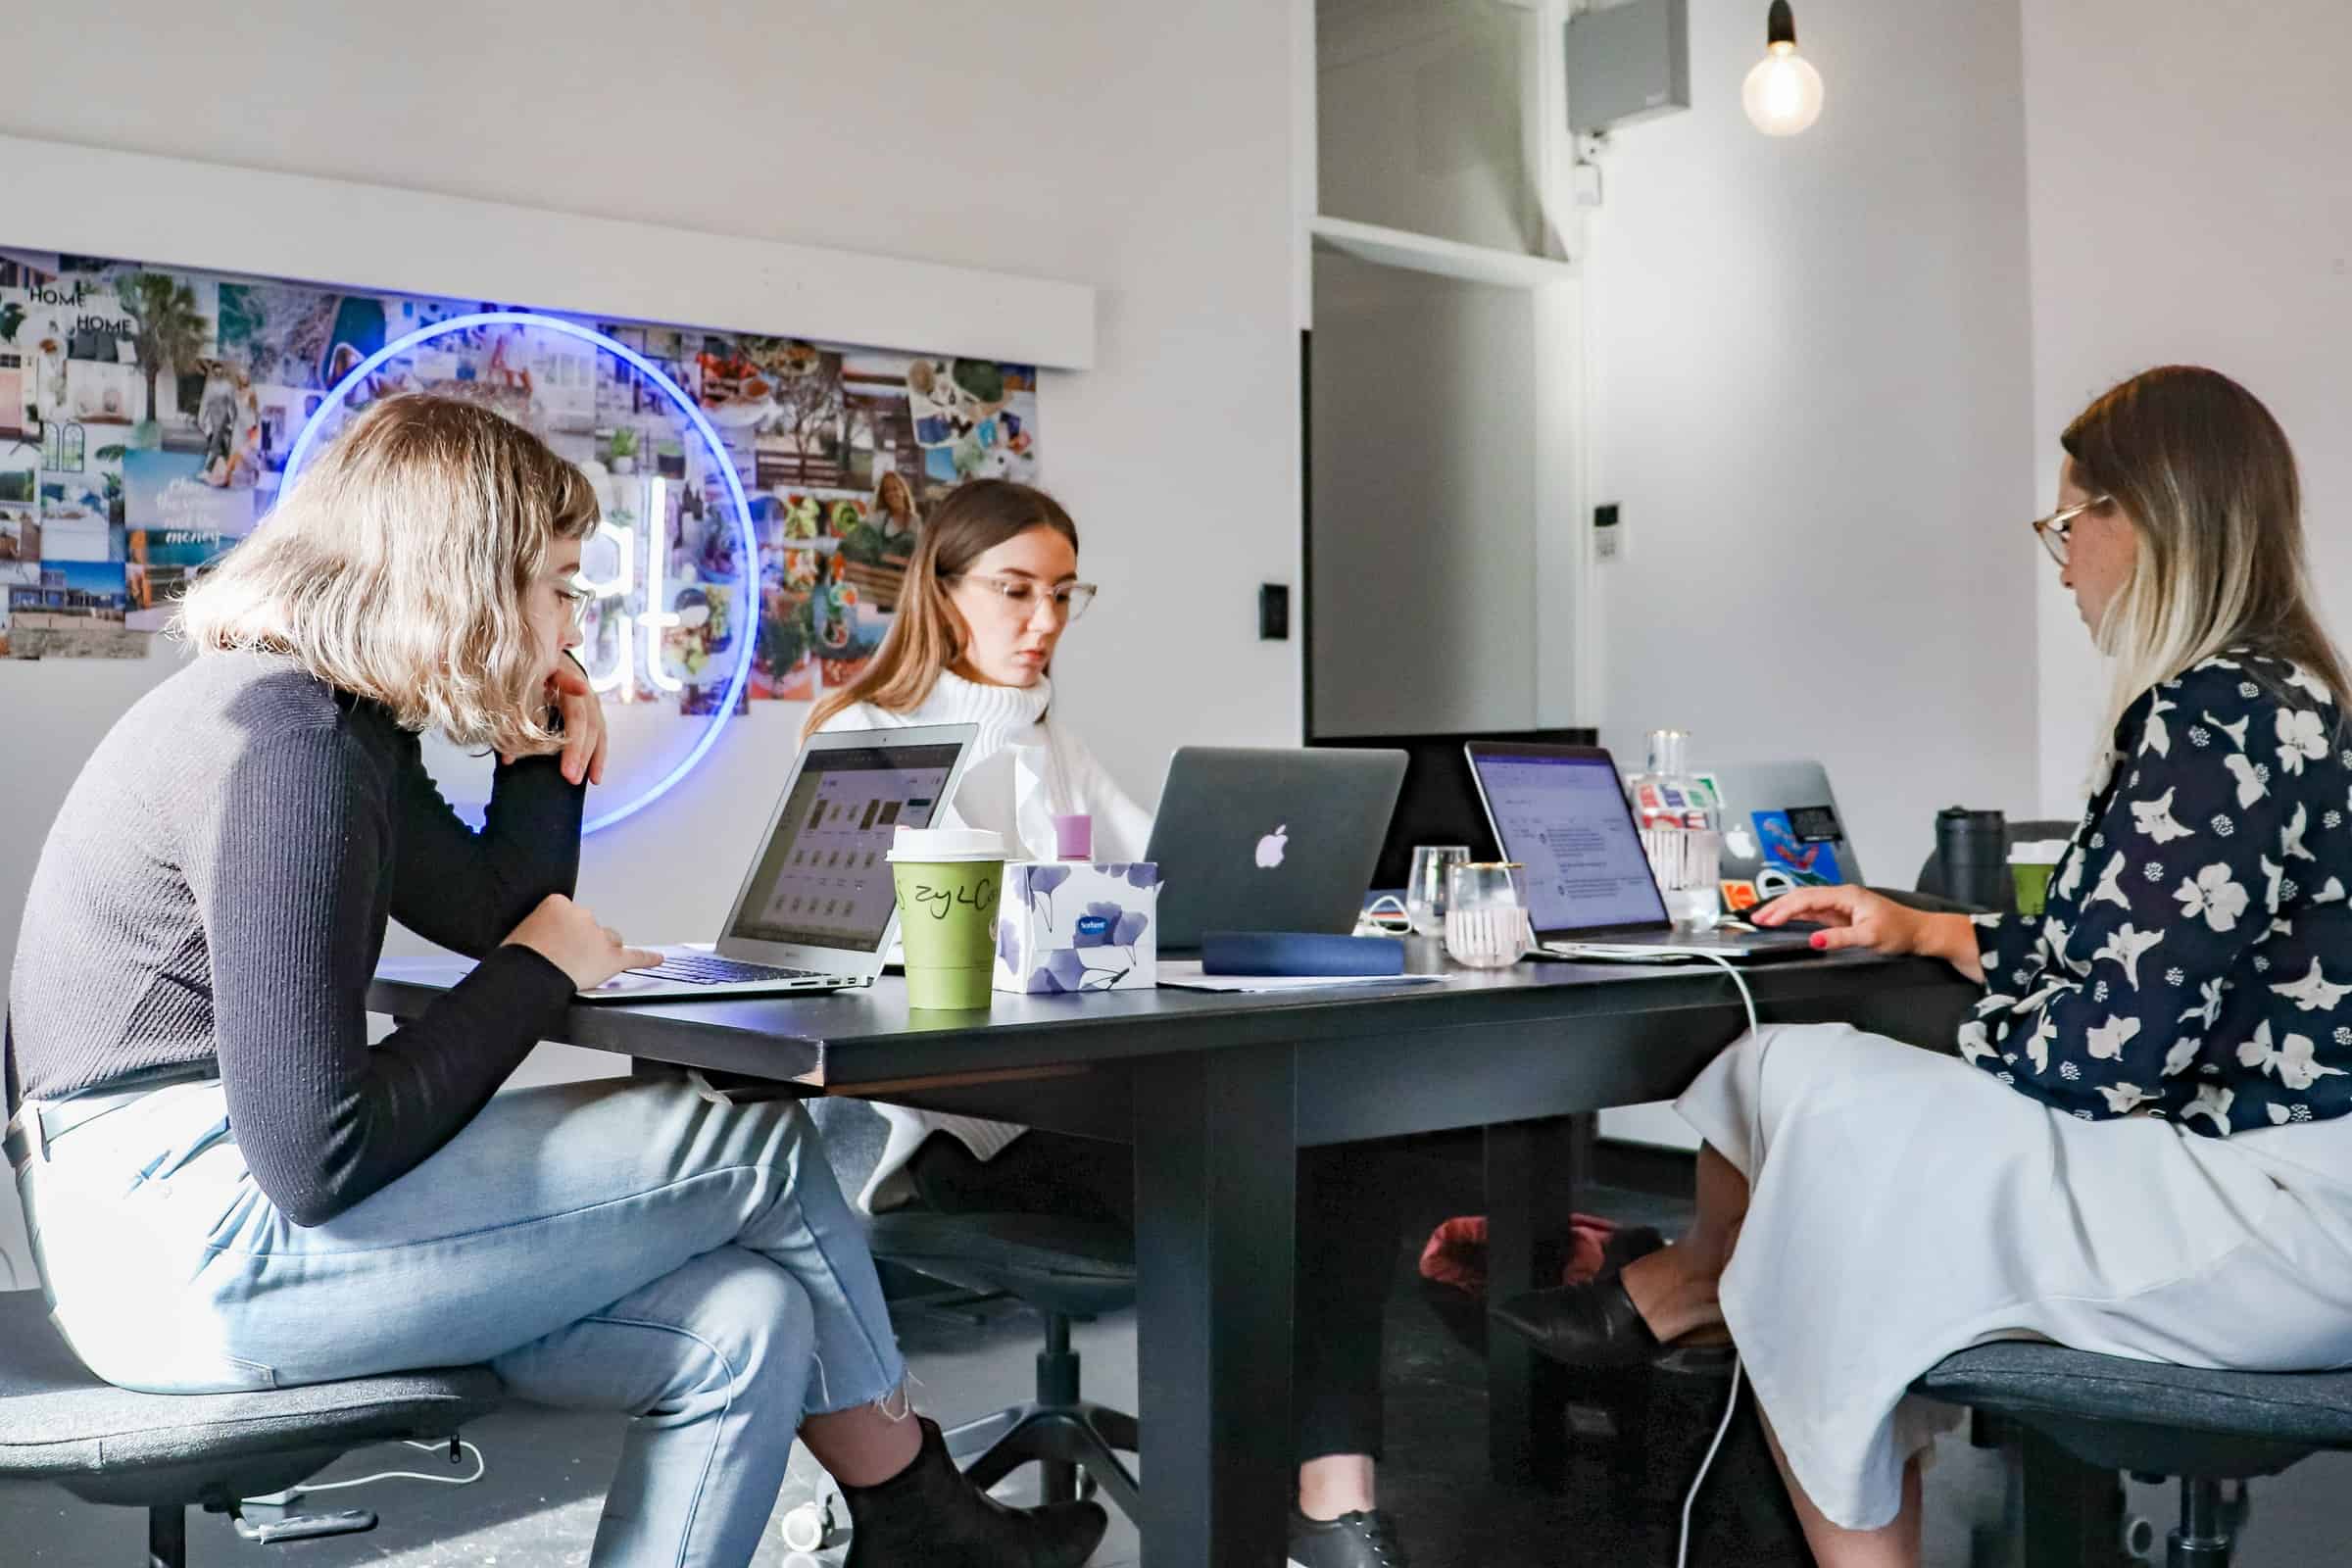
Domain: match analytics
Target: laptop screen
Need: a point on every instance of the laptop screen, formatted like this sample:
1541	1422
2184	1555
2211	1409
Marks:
822	880
1564	818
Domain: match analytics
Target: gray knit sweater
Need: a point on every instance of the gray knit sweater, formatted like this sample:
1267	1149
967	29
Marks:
214	889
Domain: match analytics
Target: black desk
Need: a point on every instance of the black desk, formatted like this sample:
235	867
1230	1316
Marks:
1218	1092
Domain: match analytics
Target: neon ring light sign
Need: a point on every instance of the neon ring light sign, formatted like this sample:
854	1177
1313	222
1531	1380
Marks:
637	535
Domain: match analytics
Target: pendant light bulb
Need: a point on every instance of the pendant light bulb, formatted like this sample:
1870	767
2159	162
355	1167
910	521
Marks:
1782	93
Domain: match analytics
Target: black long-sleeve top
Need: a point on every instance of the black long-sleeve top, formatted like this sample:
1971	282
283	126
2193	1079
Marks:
215	889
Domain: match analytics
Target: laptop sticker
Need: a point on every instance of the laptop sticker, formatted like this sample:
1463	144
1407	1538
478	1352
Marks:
1807	861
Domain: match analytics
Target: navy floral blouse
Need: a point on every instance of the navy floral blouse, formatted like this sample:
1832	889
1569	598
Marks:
2196	956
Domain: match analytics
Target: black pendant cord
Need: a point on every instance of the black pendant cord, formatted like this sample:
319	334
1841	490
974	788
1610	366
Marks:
1780	26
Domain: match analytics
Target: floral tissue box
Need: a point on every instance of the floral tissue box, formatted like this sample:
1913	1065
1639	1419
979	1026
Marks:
1065	925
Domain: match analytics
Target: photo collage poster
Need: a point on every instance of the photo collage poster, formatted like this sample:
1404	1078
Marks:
147	414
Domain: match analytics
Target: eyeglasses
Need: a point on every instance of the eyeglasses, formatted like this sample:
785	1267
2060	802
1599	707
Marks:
1020	594
2054	530
577	602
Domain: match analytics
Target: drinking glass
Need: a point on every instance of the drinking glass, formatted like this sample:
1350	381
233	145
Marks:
1485	915
1687	861
1426	890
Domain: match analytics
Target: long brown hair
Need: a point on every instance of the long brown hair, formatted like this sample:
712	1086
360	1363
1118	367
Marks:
926	638
2205	477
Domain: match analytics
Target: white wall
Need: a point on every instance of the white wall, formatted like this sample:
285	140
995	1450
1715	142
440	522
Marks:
1809	385
1144	150
1419	119
2191	200
1424	442
1061	140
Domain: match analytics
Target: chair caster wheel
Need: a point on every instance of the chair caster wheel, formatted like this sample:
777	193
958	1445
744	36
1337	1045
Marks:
810	1527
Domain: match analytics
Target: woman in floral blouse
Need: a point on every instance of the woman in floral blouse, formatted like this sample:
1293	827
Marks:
2141	1149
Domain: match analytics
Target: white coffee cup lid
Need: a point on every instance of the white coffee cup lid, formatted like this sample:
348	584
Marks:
2038	852
945	844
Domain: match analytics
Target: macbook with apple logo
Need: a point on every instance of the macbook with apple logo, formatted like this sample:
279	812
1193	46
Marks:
1269	840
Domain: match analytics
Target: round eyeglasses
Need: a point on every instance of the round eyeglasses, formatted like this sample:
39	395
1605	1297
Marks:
2054	530
1019	595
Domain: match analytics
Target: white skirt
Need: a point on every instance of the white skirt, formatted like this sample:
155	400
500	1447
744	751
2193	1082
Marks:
1906	1205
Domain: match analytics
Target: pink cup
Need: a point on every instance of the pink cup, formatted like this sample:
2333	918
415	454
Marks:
1074	837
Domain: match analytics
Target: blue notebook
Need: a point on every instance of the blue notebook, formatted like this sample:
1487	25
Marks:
1298	952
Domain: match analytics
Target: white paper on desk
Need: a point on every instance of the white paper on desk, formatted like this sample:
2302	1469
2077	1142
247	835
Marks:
1186	976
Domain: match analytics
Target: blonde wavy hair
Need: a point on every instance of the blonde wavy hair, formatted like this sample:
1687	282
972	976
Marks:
398	568
2204	475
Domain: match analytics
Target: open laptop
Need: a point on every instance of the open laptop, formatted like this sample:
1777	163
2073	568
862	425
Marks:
1265	840
1781	829
816	910
1561	812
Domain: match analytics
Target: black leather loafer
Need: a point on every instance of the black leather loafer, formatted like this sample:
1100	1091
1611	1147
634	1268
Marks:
1592	1325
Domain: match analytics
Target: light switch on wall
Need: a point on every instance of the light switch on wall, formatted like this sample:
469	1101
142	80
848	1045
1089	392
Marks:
1274	613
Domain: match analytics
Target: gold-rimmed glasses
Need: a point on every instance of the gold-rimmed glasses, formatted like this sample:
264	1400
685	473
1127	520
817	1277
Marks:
2054	530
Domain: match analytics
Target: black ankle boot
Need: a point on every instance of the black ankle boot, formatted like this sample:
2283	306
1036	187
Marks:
929	1516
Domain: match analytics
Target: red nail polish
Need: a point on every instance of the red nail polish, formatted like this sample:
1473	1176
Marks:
1821	939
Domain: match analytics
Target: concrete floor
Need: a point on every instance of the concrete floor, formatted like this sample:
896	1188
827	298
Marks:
537	1506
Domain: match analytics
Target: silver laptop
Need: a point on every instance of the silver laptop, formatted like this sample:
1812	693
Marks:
1781	829
1251	840
816	910
1561	811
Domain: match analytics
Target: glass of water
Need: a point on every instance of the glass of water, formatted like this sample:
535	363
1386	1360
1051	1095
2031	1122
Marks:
1485	915
1687	863
1429	887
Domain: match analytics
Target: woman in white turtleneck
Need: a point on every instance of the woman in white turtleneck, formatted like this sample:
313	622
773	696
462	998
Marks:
992	586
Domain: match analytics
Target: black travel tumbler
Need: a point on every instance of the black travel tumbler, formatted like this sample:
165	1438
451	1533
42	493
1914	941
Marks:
1974	847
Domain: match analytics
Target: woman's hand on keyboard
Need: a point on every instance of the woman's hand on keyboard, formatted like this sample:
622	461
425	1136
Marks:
1853	917
568	936
1857	917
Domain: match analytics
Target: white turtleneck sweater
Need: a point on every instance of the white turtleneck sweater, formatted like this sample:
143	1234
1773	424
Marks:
1022	771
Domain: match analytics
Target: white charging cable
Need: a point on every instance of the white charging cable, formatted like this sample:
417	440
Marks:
1681	1550
481	1468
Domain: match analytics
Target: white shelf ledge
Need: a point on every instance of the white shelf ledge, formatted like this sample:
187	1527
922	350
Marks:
170	211
1446	257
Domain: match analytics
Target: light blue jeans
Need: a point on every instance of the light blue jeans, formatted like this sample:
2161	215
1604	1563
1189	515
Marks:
623	1245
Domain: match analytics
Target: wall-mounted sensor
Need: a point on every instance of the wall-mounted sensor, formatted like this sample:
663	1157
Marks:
1608	537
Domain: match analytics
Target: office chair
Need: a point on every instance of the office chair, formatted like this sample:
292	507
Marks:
168	1452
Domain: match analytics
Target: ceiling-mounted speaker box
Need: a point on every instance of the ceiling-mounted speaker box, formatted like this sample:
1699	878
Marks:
1627	63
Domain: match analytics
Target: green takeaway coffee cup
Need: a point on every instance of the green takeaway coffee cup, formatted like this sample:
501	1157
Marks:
2031	863
947	879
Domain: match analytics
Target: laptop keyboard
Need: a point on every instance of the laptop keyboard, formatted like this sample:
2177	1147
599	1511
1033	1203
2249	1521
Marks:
697	970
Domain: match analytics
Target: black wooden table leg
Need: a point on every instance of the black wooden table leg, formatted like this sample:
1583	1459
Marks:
1216	1181
1532	1175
